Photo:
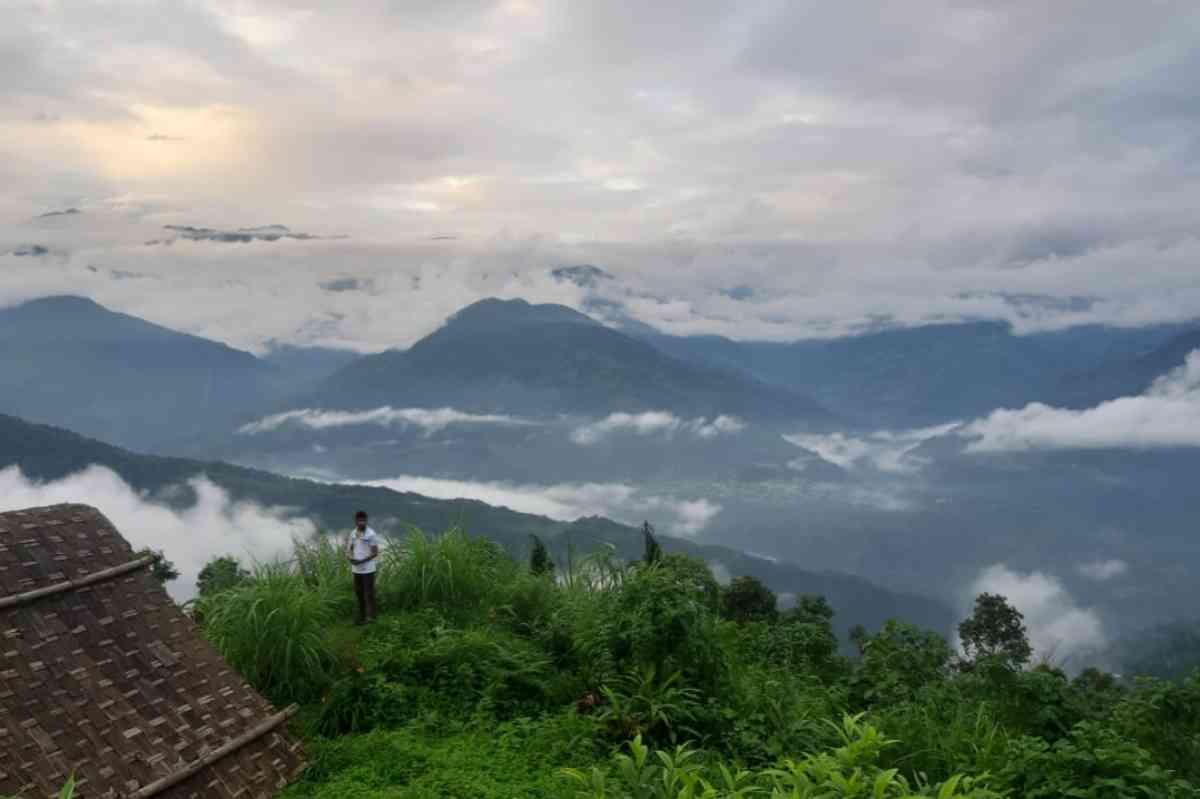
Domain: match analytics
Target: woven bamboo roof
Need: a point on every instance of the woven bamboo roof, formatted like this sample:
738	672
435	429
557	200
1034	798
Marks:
104	677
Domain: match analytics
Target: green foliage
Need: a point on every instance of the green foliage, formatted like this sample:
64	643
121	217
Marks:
995	631
897	661
748	599
645	703
848	770
1094	762
540	562
484	679
453	572
1164	718
653	552
220	574
272	629
163	570
435	759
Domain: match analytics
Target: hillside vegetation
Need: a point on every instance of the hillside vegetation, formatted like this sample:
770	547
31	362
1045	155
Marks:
489	677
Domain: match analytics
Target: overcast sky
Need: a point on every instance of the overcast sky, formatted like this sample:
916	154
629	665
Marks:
762	169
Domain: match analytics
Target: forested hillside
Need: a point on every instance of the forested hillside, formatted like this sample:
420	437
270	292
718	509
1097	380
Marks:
588	678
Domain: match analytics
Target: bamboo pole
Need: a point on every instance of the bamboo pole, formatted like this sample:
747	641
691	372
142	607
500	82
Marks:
69	585
160	785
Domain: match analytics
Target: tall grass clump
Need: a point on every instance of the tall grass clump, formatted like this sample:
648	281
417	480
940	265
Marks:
452	571
272	630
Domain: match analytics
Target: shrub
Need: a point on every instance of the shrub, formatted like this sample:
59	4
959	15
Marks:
897	662
849	770
1094	762
646	703
453	572
1164	718
272	630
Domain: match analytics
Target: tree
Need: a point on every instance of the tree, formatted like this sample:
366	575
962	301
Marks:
859	637
747	599
539	558
995	631
220	574
897	661
163	570
653	553
811	609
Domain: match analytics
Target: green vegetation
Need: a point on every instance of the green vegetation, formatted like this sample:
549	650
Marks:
490	677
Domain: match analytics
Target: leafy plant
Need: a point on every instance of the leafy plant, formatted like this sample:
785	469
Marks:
646	704
272	630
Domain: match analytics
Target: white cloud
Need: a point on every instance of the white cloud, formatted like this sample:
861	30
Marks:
653	423
571	501
1057	626
214	525
1167	415
428	419
885	450
720	572
1102	570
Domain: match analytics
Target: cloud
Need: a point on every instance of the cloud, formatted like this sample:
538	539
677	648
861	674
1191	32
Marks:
66	212
822	152
654	423
1103	570
346	284
164	137
242	235
570	501
213	525
31	250
885	450
1057	626
428	419
720	572
1166	415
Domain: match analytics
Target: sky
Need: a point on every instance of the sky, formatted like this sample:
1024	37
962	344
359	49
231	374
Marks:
768	169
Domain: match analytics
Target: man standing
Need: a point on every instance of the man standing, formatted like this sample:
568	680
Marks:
363	550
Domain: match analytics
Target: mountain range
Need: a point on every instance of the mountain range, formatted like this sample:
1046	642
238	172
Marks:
45	453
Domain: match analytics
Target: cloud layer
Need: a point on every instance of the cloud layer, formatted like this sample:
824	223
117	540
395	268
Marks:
429	420
570	501
651	423
1057	626
1167	415
213	526
768	169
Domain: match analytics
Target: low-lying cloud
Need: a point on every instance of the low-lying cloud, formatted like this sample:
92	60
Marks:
1057	626
570	501
1166	415
214	525
651	423
885	450
430	420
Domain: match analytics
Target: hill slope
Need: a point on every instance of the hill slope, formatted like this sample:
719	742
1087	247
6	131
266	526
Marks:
70	361
47	453
500	356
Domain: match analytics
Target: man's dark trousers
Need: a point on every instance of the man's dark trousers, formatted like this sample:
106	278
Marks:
364	589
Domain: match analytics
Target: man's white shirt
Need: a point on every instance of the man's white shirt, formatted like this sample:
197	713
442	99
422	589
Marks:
362	549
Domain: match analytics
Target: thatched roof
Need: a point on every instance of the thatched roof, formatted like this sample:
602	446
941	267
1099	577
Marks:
104	677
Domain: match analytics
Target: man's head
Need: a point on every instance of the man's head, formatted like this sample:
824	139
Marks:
360	520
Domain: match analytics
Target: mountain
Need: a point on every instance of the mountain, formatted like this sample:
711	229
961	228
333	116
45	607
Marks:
1127	374
47	453
508	356
931	374
70	361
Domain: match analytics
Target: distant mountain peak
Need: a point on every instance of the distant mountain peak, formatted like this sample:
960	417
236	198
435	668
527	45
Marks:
494	313
63	302
582	275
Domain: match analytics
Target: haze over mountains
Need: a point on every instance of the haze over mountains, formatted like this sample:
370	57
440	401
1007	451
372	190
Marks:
927	459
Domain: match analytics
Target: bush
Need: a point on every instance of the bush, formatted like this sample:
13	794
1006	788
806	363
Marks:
272	630
849	770
1164	718
453	572
897	662
1094	762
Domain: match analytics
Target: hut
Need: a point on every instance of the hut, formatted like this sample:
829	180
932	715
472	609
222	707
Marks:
105	679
